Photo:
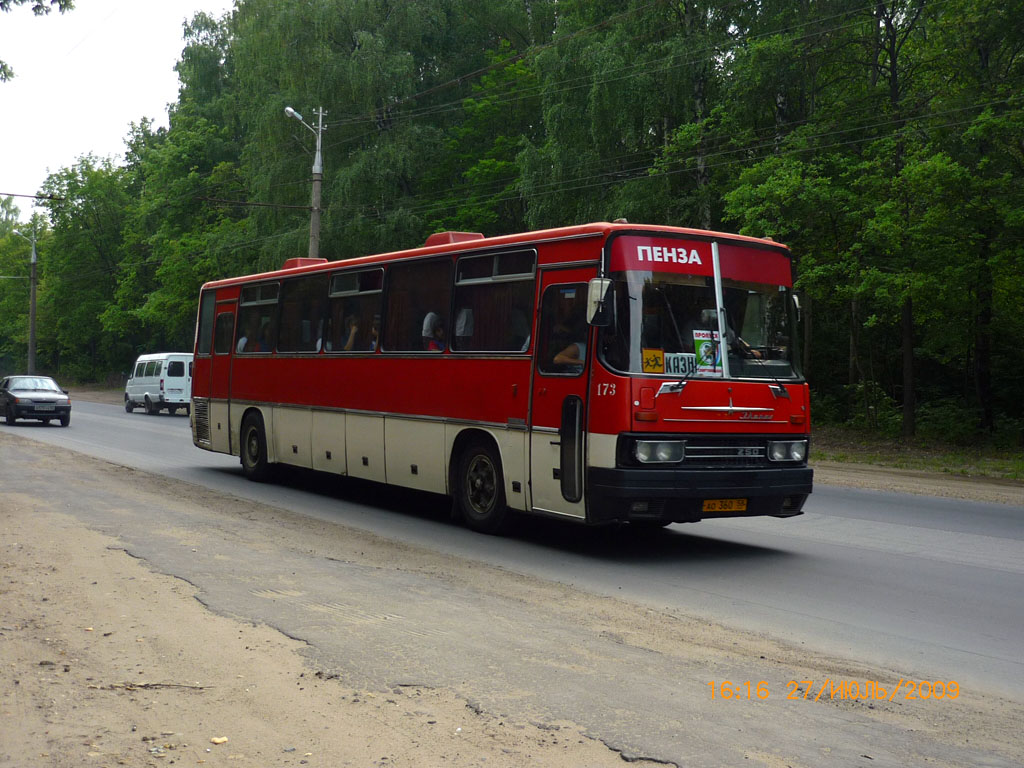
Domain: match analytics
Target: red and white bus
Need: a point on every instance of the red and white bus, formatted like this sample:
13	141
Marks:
598	373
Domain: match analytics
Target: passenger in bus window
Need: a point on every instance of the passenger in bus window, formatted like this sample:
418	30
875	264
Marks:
374	333
252	326
574	354
319	319
464	329
569	334
520	331
433	332
351	329
268	336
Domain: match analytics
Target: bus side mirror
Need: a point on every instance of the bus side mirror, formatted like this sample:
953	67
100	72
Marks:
796	306
598	302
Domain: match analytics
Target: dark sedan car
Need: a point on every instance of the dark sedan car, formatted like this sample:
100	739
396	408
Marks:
34	397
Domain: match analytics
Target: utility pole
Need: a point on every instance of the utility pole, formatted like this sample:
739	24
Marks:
318	178
31	363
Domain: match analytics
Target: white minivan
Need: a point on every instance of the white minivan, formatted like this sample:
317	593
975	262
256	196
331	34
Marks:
160	381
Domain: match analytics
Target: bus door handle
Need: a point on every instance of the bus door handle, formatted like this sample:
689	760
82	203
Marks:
556	442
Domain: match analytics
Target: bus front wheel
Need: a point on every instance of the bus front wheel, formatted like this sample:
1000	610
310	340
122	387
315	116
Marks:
254	449
481	491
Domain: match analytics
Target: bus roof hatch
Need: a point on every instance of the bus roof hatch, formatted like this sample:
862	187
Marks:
302	261
447	238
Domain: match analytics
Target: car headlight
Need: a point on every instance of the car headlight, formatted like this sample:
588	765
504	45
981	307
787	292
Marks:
787	450
659	451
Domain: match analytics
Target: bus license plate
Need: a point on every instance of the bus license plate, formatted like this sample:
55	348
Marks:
725	505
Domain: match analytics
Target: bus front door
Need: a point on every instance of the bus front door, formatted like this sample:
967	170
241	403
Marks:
220	377
558	410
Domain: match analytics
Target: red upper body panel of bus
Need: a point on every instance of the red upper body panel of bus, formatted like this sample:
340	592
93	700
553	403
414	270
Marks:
732	248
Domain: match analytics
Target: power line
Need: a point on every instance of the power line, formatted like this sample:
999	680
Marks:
250	204
37	197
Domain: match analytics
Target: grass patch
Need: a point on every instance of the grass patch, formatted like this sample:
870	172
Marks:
830	443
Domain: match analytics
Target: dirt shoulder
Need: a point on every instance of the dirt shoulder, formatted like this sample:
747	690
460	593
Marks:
97	395
104	662
875	478
843	474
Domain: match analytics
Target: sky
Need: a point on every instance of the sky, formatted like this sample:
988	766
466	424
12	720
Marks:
81	79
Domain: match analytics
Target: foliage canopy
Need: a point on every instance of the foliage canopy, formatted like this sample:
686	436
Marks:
882	142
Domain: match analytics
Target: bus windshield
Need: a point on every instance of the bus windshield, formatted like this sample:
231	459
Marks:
667	323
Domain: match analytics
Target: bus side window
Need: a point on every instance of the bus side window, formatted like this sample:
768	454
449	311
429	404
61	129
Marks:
257	318
416	290
204	333
303	304
494	302
354	313
224	333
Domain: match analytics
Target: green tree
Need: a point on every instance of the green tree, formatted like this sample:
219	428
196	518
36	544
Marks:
177	234
982	125
78	270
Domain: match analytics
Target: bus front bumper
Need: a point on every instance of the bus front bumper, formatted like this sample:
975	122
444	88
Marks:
679	495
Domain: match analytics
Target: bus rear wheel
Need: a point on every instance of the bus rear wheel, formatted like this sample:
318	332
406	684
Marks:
254	449
481	489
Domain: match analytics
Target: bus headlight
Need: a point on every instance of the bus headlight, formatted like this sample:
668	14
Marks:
787	450
659	451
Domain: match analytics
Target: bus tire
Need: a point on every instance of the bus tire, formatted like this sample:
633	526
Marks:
481	488
129	406
253	444
151	409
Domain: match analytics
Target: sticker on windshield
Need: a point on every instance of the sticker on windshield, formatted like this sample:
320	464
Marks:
654	360
681	364
708	352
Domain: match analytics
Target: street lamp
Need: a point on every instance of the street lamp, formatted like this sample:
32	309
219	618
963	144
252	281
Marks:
318	177
31	304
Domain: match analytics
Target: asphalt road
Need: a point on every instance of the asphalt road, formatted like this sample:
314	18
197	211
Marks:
930	587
